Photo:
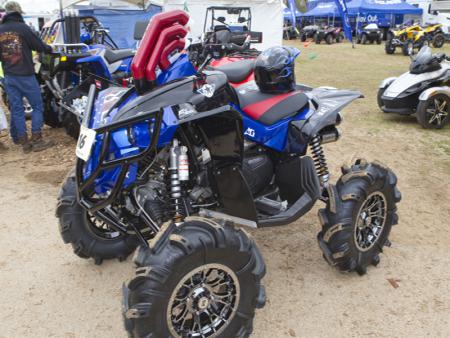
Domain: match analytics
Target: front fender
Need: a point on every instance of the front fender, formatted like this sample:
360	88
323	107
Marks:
427	93
387	82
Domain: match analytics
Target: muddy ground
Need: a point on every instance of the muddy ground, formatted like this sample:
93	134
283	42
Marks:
46	291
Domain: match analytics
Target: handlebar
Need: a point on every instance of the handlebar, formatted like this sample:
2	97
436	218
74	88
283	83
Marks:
65	46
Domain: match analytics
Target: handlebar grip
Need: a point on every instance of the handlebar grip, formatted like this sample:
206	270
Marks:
232	46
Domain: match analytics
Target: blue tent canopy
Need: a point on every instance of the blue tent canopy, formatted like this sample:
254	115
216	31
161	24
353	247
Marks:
287	14
120	23
323	10
382	7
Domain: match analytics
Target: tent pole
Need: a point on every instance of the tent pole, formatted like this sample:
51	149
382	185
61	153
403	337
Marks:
61	14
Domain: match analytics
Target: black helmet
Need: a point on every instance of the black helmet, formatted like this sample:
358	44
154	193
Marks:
274	70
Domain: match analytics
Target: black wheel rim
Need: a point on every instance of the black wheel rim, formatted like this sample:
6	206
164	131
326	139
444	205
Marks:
370	221
204	302
437	111
101	229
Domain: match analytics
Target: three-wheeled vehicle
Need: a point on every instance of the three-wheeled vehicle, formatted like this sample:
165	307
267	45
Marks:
424	90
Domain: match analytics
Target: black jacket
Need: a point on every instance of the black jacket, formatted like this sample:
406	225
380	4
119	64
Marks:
17	40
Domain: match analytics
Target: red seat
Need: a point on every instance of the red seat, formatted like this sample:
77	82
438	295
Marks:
269	108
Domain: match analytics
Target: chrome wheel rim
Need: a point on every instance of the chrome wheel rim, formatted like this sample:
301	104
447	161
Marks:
437	111
204	302
370	221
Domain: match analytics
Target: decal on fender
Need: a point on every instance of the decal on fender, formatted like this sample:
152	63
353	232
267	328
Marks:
250	132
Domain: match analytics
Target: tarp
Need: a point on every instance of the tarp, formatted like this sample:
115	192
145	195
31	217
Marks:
382	7
267	17
120	23
323	10
287	14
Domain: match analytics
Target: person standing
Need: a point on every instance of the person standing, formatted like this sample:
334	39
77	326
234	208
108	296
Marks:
17	41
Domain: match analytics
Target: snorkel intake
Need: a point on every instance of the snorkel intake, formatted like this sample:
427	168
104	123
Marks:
164	34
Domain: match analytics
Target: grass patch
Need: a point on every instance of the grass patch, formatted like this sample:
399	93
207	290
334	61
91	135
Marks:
445	147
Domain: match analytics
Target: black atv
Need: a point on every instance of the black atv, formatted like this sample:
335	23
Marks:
329	34
308	32
369	34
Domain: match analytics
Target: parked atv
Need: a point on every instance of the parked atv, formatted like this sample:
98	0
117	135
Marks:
84	59
308	32
236	61
422	91
435	35
407	38
369	34
220	49
180	162
329	34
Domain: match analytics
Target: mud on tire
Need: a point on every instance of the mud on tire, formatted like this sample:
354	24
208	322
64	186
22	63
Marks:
71	124
166	268
345	220
76	228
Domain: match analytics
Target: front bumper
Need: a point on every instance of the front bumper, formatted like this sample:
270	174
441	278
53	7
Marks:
403	106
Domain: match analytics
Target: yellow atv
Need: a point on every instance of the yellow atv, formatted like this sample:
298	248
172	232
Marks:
407	38
435	35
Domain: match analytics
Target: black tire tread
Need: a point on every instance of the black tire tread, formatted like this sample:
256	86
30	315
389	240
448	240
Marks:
156	264
422	118
74	231
337	226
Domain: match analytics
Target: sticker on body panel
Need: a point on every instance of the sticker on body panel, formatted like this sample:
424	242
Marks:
85	142
250	132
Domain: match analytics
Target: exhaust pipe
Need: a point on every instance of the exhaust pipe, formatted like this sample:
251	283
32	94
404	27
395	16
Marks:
329	136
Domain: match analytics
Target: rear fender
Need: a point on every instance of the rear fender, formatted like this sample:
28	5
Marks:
327	105
427	93
96	63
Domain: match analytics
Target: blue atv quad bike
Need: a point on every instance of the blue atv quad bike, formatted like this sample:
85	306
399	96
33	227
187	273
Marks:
177	163
87	55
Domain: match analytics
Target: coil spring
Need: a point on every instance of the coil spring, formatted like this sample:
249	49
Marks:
320	161
176	199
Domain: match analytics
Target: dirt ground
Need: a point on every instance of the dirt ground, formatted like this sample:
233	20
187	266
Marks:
46	291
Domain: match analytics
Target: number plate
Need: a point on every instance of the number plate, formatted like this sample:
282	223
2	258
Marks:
85	142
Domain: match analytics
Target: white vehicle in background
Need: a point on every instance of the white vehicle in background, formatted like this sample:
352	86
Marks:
435	12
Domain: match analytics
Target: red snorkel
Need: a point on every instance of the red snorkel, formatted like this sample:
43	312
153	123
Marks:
163	29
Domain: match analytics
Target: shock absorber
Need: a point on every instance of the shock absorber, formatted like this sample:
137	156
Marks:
177	155
320	161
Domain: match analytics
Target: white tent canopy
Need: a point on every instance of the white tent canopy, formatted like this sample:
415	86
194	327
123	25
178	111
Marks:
106	3
267	16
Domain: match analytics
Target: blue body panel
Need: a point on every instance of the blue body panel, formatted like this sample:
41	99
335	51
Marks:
275	136
99	67
121	146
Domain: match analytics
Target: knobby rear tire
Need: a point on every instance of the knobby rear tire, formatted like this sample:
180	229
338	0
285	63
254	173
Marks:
339	219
